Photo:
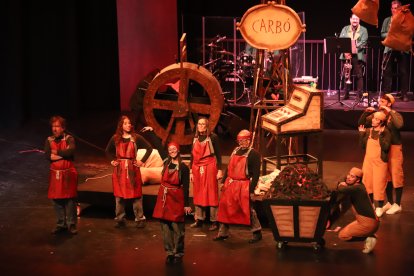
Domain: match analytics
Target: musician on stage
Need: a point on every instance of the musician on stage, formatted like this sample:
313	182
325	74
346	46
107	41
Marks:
390	56
360	34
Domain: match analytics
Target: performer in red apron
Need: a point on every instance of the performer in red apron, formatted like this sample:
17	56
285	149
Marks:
376	141
63	177
126	177
395	176
172	204
205	169
241	177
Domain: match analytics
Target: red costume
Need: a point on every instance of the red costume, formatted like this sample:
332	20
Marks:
170	199
234	206
63	177
126	177
204	168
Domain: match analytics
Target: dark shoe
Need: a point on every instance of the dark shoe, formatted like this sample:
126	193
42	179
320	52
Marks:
214	226
73	230
257	236
178	259
59	230
169	260
197	224
220	238
140	224
120	224
346	96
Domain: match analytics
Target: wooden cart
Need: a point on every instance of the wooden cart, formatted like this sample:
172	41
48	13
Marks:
298	220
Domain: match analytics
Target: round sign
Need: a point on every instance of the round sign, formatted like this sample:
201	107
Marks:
271	26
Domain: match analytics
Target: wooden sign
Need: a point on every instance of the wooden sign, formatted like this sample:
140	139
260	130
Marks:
271	26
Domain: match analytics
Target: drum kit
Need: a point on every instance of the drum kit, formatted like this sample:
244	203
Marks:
234	73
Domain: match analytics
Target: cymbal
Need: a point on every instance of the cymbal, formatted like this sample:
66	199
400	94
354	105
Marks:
225	53
213	45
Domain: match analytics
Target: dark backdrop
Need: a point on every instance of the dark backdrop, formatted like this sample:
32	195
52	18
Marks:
57	57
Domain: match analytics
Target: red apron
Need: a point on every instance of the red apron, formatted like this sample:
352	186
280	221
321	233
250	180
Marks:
63	177
126	178
170	199
234	206
204	168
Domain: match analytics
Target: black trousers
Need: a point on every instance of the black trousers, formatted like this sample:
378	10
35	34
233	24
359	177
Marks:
402	61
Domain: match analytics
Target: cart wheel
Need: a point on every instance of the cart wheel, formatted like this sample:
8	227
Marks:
281	244
318	246
322	242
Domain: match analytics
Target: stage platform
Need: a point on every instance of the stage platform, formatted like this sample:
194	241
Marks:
99	248
345	114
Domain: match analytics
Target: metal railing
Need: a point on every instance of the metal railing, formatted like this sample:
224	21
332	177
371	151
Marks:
328	67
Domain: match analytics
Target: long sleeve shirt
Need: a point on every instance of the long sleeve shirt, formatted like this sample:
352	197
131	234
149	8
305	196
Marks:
359	199
395	122
360	36
384	140
66	154
140	142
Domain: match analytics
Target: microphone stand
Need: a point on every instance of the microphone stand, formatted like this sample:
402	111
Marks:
341	80
384	65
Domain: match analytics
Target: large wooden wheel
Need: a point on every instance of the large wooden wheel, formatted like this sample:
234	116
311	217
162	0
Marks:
177	96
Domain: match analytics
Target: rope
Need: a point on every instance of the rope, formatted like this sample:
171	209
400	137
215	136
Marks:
97	177
84	141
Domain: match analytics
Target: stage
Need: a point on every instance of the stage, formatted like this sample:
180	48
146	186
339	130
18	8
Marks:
28	216
344	114
99	248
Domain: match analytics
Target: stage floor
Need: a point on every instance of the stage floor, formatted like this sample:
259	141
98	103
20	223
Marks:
27	217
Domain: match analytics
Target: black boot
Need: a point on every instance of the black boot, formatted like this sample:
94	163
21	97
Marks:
220	238
59	230
257	236
169	260
197	224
